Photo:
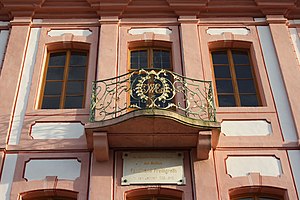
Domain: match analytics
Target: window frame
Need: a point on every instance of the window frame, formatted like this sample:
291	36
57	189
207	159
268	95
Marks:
256	196
149	49
154	193
150	56
153	197
66	67
233	77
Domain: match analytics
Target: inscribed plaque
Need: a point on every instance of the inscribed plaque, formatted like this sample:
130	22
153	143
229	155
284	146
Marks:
153	168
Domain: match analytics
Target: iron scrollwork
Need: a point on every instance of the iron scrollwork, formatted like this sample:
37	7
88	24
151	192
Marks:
152	89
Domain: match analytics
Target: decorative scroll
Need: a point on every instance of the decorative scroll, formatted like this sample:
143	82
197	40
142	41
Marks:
152	89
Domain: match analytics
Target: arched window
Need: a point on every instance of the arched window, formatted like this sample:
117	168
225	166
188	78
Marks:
256	197
234	78
65	77
257	193
154	55
154	194
49	195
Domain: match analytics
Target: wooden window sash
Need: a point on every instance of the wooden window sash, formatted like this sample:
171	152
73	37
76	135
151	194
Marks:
150	57
234	78
63	95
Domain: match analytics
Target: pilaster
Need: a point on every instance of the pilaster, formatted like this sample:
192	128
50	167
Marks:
288	63
12	70
108	47
190	47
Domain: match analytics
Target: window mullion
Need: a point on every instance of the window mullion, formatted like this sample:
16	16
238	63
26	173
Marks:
234	79
150	58
64	90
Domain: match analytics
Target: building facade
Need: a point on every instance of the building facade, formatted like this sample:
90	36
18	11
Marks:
150	100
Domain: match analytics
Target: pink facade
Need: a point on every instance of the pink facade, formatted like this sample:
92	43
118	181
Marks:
227	152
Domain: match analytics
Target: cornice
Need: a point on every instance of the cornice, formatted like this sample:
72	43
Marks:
85	9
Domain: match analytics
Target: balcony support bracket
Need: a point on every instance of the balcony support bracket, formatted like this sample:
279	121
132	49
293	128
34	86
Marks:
100	144
204	145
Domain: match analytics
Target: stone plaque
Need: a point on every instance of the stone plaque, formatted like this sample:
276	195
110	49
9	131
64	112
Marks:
153	168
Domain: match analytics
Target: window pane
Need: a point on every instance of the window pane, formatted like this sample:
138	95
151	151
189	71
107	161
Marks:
139	59
161	59
51	102
73	102
246	86
76	73
57	59
226	100
78	58
249	100
220	57
134	60
53	88
240	57
243	71
55	73
143	59
75	87
222	71
224	86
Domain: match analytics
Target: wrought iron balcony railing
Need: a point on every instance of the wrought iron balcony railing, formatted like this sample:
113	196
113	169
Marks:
152	89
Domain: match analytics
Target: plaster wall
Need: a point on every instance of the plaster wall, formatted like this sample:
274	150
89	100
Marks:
295	36
237	166
26	78
265	130
246	128
68	122
289	66
9	79
277	85
7	177
39	169
3	42
120	191
57	130
294	158
253	173
50	171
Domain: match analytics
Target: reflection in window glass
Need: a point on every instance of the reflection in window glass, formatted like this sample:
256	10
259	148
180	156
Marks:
234	78
57	59
65	80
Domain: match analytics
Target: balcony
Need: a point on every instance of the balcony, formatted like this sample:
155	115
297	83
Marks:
153	108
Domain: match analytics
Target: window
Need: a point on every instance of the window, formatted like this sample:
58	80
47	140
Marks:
51	194
52	198
256	197
234	78
149	58
153	197
154	194
146	58
65	80
257	193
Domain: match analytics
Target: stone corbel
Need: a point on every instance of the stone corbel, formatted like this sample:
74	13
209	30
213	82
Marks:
100	144
206	141
204	145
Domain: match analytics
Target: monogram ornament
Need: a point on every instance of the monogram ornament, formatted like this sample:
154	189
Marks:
153	88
